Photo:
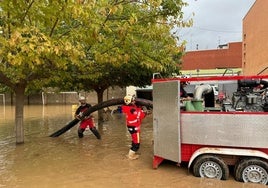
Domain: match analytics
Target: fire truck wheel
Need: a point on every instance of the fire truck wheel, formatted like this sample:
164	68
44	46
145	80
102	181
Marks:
210	166
252	170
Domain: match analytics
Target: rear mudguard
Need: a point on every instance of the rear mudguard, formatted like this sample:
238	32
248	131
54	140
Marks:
227	151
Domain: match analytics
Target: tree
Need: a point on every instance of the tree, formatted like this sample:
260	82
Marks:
34	47
132	40
40	39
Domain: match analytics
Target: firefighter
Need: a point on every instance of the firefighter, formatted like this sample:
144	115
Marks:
87	121
183	94
134	116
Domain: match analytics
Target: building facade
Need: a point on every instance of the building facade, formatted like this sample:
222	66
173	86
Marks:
229	57
255	39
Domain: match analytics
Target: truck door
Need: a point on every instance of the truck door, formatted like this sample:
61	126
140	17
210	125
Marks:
166	115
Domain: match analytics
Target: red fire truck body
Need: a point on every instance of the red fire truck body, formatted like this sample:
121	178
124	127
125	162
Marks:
211	137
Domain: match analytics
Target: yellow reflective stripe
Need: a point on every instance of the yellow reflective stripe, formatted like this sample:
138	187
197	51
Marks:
138	137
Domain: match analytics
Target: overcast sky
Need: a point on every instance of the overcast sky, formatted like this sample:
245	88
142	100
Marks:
215	22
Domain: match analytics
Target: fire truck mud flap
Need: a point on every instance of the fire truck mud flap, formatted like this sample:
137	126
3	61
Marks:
157	161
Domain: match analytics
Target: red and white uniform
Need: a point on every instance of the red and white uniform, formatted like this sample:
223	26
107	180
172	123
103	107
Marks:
134	116
87	121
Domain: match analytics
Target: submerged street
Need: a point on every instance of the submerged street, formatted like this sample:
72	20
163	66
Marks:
67	161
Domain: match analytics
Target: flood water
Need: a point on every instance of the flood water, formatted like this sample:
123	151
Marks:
67	161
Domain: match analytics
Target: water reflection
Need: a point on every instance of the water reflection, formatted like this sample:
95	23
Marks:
68	161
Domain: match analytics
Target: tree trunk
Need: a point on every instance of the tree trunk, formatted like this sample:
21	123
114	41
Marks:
19	104
100	99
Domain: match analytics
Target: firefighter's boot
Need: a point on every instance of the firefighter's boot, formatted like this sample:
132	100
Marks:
95	132
132	155
80	132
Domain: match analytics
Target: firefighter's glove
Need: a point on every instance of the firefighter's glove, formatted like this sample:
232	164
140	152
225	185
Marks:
132	110
148	112
80	116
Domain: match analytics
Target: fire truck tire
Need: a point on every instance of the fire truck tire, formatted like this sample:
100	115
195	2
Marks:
211	166
252	170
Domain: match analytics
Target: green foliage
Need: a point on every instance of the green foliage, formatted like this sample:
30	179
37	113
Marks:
85	44
33	44
100	43
125	42
4	89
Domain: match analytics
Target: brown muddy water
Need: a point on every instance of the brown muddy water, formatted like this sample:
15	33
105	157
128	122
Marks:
67	161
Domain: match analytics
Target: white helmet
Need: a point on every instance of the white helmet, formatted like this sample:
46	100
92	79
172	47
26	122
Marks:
128	99
82	98
185	76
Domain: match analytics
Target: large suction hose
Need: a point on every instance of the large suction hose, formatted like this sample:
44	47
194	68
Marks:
200	90
112	102
196	104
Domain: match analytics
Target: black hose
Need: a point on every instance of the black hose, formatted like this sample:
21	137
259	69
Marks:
104	104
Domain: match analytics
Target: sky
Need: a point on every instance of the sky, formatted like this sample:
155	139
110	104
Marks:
214	22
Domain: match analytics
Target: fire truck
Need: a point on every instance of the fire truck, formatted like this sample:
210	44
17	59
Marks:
211	137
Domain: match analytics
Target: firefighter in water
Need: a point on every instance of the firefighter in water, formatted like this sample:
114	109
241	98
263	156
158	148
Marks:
87	121
134	116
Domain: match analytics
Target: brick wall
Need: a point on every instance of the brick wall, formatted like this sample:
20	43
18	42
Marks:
230	57
255	39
